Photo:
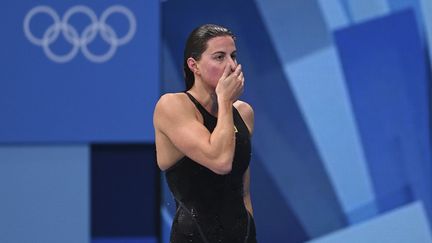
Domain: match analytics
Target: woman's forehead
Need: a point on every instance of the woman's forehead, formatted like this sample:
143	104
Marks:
222	43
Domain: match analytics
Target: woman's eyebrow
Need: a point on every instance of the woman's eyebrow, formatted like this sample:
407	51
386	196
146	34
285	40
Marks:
222	52
218	52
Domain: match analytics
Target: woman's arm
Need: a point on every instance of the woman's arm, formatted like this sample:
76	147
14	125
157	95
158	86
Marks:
247	114
175	118
246	192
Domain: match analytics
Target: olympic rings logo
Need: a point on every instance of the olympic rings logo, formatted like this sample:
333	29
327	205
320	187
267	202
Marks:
80	41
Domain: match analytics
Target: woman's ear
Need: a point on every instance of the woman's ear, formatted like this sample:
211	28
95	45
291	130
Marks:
193	65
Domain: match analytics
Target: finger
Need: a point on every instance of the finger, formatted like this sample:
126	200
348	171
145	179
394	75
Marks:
237	70
226	72
240	77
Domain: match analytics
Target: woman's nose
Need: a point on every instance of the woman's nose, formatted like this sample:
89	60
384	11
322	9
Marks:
232	63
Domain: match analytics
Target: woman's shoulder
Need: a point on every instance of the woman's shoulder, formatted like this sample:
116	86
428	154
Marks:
172	97
246	112
244	108
173	103
172	100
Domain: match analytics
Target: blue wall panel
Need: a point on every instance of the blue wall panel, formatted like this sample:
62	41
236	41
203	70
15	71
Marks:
78	100
334	14
405	224
284	221
385	69
44	194
318	83
366	9
415	5
291	39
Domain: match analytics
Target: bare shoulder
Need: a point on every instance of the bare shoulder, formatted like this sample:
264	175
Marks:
171	99
245	109
247	113
172	105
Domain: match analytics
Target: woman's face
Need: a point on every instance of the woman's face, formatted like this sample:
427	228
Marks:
221	51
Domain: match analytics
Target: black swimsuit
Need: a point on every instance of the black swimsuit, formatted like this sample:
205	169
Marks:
210	207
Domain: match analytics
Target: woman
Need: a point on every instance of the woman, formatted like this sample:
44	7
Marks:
203	143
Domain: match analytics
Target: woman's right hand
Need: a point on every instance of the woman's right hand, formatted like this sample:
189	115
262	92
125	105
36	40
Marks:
231	84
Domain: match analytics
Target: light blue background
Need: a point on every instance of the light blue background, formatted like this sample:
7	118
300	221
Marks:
78	101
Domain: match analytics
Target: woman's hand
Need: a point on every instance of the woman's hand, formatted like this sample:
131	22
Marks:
230	85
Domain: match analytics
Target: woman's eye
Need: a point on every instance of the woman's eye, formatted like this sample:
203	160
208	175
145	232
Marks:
219	57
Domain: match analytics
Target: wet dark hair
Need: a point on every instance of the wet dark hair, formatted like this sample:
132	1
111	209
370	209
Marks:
196	44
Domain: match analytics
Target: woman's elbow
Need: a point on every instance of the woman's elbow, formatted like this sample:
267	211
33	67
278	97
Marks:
223	167
220	163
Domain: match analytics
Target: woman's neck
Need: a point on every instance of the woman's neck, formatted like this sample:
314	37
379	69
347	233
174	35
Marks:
206	96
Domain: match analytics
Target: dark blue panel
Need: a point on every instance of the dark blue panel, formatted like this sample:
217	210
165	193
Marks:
81	100
125	240
124	191
415	5
385	67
